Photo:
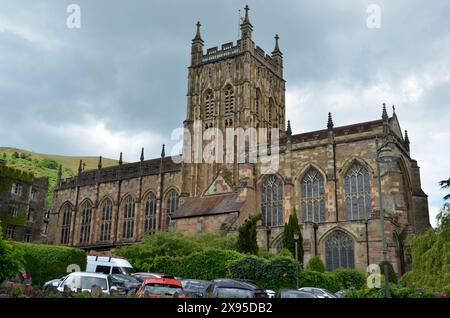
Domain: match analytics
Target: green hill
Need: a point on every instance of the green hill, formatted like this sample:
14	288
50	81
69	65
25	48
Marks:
45	165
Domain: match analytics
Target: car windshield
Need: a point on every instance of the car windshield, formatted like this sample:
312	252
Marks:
87	282
223	292
159	289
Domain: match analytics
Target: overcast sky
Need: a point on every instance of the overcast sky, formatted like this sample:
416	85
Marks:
119	82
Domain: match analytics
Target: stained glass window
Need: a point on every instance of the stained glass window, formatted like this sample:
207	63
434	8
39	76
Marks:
150	213
86	216
357	193
128	218
339	251
272	202
312	200
66	221
105	229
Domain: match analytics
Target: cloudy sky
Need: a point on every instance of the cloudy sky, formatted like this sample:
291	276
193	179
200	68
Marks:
119	82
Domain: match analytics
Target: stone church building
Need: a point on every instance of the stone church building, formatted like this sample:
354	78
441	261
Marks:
328	177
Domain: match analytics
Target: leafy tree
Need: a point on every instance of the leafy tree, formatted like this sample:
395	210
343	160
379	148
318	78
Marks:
290	229
391	272
445	184
247	235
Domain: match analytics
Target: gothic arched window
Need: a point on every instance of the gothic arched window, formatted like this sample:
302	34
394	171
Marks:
67	220
339	251
105	229
85	228
128	218
357	193
312	197
229	101
209	104
150	213
272	202
172	205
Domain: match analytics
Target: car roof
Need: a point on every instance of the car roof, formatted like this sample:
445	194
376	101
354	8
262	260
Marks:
100	275
167	281
232	283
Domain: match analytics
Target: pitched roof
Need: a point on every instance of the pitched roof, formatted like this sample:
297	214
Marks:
209	205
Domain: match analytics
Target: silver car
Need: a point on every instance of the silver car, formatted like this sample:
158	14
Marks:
82	281
319	292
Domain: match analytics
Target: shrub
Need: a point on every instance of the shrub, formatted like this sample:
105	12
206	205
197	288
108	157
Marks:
10	260
319	280
209	264
391	272
285	252
315	264
46	262
349	278
274	273
173	244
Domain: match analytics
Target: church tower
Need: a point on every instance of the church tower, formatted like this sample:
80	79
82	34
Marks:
235	86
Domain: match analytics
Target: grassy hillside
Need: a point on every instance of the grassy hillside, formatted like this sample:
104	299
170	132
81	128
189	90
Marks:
44	165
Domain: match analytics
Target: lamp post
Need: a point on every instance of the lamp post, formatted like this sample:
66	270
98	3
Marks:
296	237
384	155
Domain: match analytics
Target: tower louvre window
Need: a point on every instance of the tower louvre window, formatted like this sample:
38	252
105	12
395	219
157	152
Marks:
229	101
209	104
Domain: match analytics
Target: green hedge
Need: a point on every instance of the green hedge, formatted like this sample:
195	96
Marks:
349	278
47	262
274	273
210	264
396	292
320	280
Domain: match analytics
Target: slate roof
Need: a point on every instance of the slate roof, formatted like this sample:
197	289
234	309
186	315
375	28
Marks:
209	205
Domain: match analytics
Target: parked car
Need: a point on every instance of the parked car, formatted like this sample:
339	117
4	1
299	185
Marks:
53	283
22	278
341	293
294	293
161	287
270	293
319	292
195	287
125	282
83	281
141	276
108	265
231	288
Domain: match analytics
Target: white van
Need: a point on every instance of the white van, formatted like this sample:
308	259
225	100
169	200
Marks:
108	265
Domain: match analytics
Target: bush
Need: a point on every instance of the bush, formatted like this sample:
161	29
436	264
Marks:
315	264
319	280
274	273
46	262
349	278
208	265
173	244
10	260
391	272
396	292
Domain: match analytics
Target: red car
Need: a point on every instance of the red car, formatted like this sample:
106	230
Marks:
161	287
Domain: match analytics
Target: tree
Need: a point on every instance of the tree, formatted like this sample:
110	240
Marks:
445	184
290	229
10	260
247	235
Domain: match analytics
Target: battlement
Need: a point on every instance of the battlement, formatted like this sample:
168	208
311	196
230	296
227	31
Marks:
227	50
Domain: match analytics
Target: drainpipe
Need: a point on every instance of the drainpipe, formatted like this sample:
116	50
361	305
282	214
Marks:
316	226
367	242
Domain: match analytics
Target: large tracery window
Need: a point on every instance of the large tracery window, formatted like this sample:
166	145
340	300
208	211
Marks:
128	218
86	216
105	229
339	251
312	197
272	202
172	205
229	101
150	213
357	193
209	104
65	226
